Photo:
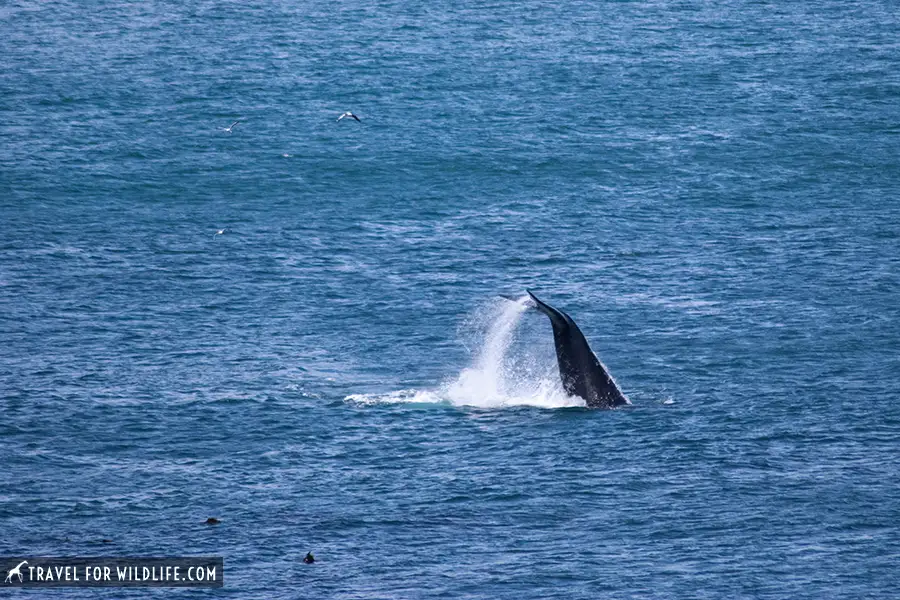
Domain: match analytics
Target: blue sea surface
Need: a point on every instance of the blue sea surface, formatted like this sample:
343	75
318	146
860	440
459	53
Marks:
710	189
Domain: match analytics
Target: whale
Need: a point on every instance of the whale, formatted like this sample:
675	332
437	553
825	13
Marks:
581	372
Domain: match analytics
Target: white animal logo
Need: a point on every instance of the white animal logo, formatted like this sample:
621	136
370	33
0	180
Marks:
17	570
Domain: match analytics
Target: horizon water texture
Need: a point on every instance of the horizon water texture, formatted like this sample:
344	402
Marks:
710	189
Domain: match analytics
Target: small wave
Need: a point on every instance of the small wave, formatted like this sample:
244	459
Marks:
470	394
397	397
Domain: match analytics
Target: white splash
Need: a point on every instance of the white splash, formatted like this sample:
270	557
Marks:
400	396
503	374
487	378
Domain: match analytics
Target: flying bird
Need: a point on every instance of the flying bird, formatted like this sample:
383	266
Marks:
230	127
348	114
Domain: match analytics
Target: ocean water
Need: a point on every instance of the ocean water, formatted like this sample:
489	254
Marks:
711	190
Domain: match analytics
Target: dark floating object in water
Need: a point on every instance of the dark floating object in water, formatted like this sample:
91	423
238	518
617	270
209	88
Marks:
309	558
212	521
106	541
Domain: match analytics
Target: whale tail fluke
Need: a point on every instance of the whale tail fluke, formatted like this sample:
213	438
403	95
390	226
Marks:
557	317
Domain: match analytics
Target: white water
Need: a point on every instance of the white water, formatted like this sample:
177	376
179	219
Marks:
503	373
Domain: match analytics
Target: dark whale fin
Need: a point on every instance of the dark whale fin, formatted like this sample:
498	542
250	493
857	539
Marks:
580	370
557	317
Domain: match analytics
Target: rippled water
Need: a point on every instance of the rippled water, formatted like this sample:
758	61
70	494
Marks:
709	189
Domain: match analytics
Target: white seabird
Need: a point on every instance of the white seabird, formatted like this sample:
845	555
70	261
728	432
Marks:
348	114
230	127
